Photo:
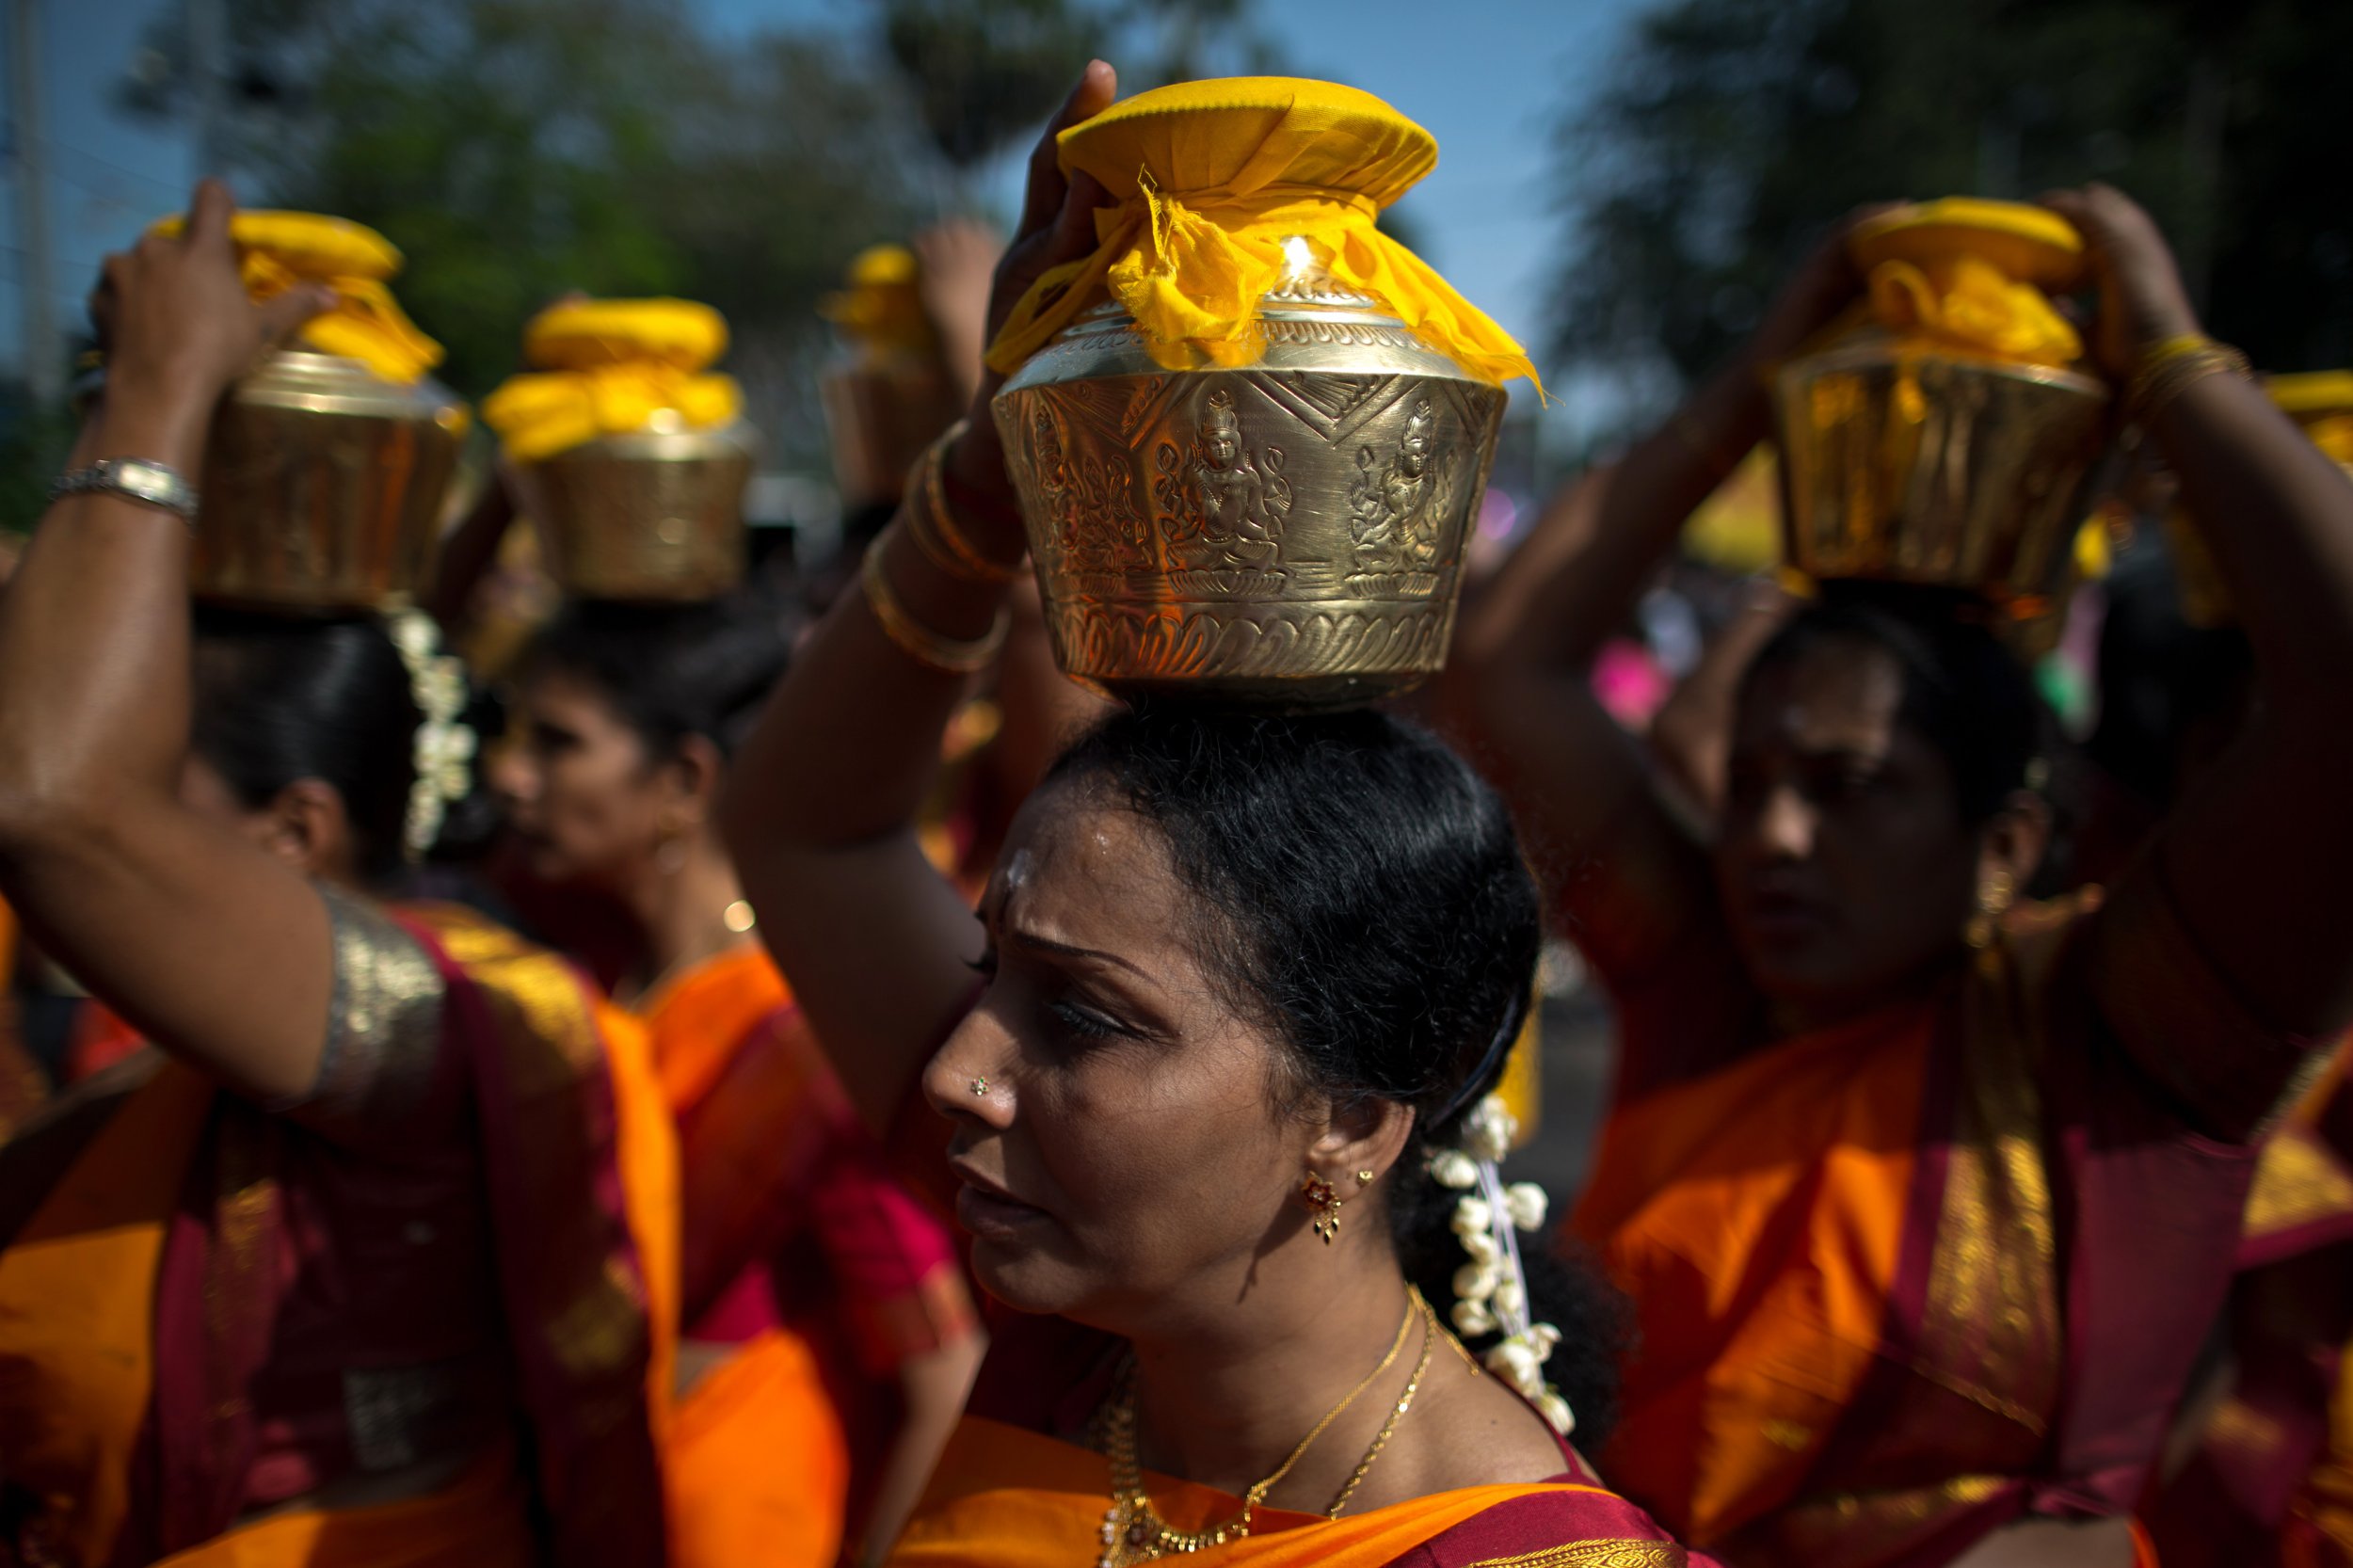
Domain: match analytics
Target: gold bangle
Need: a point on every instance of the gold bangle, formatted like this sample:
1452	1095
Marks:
914	513
971	563
2174	348
948	655
2168	369
2176	376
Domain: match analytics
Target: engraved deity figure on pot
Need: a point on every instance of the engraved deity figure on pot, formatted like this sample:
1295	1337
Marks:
1229	511
1399	514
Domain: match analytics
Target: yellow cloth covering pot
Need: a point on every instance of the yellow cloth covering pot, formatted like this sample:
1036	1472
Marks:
630	453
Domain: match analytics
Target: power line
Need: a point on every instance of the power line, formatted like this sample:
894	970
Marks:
119	170
17	271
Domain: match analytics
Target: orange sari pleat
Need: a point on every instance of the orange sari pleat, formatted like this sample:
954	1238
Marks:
759	1464
77	1294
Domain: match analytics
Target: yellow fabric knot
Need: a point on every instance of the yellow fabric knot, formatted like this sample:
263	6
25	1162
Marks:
1968	303
278	250
1974	275
612	367
1212	183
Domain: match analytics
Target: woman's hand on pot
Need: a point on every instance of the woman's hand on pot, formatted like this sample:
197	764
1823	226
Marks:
2142	300
1058	210
175	322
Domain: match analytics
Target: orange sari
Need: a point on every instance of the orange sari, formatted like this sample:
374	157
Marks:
759	1464
147	1245
1904	1282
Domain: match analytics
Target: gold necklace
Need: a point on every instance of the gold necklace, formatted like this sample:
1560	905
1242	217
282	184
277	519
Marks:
1396	1412
1134	1533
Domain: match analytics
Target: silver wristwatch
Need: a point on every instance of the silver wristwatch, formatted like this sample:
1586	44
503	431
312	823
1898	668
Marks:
135	478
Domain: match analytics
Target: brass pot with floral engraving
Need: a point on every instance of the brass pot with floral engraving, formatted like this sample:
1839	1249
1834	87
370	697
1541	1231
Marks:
1289	531
323	485
652	515
1935	466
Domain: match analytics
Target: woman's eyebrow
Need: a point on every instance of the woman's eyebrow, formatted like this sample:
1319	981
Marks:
1067	949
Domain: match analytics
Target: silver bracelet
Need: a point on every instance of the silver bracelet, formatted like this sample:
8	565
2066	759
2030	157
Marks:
134	479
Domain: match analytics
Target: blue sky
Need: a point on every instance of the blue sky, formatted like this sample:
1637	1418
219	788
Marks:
1488	78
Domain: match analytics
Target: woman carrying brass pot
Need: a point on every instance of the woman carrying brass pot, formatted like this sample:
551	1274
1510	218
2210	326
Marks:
1926	1197
368	1262
1238	992
828	1335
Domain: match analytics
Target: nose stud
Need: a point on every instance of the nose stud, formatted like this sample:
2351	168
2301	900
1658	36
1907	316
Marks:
980	1088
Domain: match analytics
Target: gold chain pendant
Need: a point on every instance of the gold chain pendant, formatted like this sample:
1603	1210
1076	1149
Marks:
1132	1531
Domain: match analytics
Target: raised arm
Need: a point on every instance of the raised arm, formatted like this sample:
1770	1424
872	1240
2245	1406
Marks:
1625	872
215	948
2253	863
822	801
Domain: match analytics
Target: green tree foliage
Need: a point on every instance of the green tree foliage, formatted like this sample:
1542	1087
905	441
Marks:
518	149
1735	129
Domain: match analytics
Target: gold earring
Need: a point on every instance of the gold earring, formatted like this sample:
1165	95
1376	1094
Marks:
1365	1177
1323	1203
1993	902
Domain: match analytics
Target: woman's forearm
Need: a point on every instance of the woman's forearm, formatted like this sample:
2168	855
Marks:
214	948
820	814
849	744
94	636
2278	515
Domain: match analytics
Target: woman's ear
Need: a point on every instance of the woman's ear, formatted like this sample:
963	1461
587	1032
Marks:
1360	1142
305	825
2012	846
695	769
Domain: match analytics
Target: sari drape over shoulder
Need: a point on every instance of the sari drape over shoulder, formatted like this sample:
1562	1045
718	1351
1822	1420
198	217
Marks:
802	1251
210	1312
1008	1494
1949	1266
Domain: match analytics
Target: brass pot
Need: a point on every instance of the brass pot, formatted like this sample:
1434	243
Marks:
1289	532
882	410
651	514
322	487
1934	467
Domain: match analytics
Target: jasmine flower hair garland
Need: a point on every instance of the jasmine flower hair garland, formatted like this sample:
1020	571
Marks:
444	749
1490	1289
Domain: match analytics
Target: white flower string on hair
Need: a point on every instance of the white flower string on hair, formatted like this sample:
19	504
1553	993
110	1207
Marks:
444	749
1490	1289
